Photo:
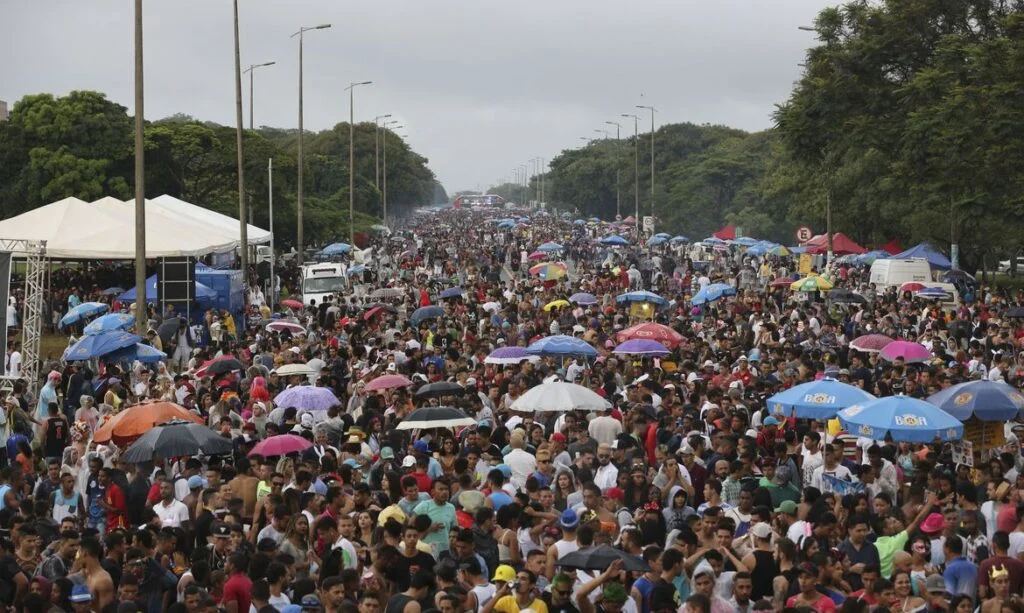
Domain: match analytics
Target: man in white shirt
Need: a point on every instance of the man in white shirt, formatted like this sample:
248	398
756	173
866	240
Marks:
15	361
607	473
172	513
832	467
812	458
522	463
604	429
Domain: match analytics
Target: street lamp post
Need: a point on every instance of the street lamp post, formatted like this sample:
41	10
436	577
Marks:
618	138
299	246
243	222
384	167
140	182
376	143
828	192
352	161
636	163
652	110
252	87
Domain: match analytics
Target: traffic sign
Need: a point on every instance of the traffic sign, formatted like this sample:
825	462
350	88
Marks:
804	234
648	223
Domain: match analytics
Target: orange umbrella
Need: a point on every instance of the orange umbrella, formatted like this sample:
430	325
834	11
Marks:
138	419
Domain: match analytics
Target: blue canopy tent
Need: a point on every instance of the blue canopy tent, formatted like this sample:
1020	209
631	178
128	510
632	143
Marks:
924	250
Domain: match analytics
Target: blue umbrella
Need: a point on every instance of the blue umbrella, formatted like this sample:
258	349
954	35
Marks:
905	419
986	400
96	345
818	399
336	249
562	346
110	321
641	296
713	292
664	235
713	241
82	312
580	222
452	292
550	247
203	292
680	239
112	291
358	269
147	354
424	313
506	225
583	298
746	241
614	240
654	241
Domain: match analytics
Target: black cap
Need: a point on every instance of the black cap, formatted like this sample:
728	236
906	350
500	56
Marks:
220	529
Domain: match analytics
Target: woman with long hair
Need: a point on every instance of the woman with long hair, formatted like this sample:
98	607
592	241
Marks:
447	454
564	487
901	582
296	543
637	488
365	532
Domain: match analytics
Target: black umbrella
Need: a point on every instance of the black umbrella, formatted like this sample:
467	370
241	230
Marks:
220	367
845	296
600	558
441	388
1015	312
960	324
177	438
168	329
435	417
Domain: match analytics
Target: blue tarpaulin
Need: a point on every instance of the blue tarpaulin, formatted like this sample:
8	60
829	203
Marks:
926	251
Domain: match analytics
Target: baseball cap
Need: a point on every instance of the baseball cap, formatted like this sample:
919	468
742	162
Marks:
558	437
761	530
195	482
569	519
221	530
421	446
310	601
787	507
80	593
771	421
935	584
387	453
504	573
409	461
615	493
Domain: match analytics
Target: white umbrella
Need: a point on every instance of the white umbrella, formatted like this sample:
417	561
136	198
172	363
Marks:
294	369
492	307
560	396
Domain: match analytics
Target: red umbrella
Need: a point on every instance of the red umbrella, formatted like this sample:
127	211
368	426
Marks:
202	372
291	304
387	382
652	332
870	343
783	282
280	444
367	315
911	286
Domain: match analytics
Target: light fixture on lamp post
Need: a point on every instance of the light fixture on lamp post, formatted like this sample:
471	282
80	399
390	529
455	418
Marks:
652	110
299	236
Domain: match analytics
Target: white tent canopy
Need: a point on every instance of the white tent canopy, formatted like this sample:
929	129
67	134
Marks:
105	229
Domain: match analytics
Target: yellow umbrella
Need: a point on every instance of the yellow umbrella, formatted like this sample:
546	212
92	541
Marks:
812	283
556	304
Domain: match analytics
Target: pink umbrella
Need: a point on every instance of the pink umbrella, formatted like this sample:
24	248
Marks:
870	343
387	382
282	326
911	286
281	444
910	352
538	255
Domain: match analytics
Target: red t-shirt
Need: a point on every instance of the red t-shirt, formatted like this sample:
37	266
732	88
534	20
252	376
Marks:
238	588
117	517
422	481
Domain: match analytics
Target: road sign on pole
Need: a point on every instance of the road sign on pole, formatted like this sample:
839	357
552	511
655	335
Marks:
804	234
648	224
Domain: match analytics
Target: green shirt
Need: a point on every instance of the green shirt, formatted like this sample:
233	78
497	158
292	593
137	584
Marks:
887	547
438	514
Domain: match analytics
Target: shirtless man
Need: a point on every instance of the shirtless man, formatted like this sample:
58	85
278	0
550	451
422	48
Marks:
98	580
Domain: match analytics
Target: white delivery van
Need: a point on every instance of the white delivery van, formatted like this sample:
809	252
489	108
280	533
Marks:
894	273
322	280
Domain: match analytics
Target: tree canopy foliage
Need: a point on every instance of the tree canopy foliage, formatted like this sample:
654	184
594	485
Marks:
909	115
82	145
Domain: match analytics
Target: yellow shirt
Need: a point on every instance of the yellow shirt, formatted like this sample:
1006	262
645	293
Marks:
509	604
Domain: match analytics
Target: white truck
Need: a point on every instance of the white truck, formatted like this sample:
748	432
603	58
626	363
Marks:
320	280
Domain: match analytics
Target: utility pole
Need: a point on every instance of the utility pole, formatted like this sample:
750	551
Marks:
141	315
376	140
636	165
352	161
652	110
618	141
243	221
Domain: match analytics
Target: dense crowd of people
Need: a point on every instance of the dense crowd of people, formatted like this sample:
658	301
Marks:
711	499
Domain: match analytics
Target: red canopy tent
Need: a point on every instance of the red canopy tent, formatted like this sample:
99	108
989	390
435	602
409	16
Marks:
727	233
841	245
892	247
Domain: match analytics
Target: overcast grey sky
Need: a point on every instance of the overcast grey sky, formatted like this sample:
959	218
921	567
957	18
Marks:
481	86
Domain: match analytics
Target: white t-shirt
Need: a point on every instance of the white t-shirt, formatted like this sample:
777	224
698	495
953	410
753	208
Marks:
172	515
839	472
15	364
1016	544
811	462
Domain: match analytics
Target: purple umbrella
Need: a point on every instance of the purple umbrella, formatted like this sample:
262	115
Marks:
641	346
583	298
910	352
307	398
509	355
870	343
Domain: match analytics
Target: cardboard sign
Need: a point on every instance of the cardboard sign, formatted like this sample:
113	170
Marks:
987	434
806	264
963	453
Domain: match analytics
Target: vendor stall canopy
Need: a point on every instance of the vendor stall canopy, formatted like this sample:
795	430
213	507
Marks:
105	229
